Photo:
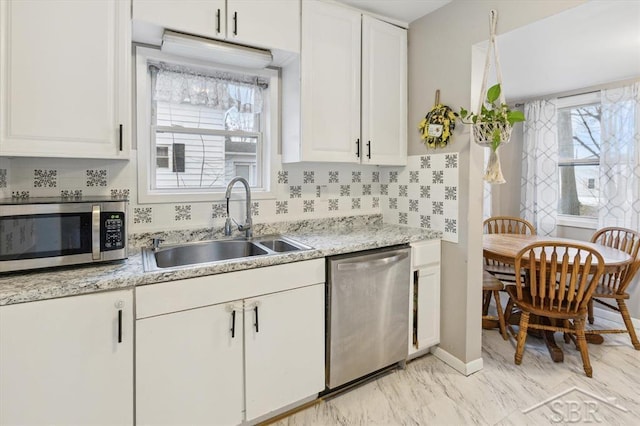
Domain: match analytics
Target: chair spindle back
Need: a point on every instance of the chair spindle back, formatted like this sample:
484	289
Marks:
562	276
626	240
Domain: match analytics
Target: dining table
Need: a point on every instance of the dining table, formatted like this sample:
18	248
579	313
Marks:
504	248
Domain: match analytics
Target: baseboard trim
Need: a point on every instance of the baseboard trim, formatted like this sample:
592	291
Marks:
466	369
613	316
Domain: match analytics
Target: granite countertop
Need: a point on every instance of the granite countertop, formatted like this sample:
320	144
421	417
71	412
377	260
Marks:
327	237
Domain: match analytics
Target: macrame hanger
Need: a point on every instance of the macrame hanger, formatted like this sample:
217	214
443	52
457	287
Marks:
493	47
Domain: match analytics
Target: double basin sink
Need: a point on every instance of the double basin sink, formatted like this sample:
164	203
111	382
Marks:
181	255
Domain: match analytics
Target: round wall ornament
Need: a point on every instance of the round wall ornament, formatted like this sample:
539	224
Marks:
438	125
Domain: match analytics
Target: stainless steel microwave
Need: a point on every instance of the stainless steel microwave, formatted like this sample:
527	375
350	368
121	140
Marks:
47	232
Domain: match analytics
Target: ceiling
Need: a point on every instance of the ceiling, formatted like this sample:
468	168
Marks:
592	44
402	10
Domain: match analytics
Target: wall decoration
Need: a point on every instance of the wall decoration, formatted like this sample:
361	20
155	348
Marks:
438	125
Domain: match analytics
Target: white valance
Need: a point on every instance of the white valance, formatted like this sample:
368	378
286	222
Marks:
220	90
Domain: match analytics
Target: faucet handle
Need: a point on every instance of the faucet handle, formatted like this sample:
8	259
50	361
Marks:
227	227
155	243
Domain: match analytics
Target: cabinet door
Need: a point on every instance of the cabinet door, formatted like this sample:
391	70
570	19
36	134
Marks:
330	83
384	93
61	361
189	367
271	24
426	308
199	17
65	78
284	350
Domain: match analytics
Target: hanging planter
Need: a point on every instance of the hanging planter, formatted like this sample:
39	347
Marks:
437	126
485	133
493	123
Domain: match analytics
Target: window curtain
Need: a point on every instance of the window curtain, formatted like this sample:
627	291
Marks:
620	158
539	183
221	91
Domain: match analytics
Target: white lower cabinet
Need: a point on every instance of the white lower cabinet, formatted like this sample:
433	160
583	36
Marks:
68	361
188	368
284	351
424	315
229	348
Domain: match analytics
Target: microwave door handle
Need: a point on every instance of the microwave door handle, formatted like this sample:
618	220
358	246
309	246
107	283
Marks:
95	232
353	266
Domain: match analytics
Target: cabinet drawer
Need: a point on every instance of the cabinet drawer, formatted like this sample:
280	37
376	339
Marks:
163	298
425	253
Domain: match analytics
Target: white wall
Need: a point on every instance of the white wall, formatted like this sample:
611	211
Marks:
440	58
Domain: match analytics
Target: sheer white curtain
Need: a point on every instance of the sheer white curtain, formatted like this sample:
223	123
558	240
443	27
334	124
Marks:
539	183
620	158
221	90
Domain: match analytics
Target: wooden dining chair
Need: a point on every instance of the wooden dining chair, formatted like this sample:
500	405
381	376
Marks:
502	271
561	278
505	225
491	286
615	285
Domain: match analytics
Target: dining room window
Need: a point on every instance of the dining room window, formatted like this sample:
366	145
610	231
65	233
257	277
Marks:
579	141
581	161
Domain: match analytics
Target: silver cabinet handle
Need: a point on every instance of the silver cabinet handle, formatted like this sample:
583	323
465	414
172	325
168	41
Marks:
353	266
95	232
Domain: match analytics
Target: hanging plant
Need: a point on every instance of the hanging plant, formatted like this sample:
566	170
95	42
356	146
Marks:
493	125
493	122
438	125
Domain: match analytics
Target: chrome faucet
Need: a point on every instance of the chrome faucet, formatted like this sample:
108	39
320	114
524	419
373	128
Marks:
247	227
155	243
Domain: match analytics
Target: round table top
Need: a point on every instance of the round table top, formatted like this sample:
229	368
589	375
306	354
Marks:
504	247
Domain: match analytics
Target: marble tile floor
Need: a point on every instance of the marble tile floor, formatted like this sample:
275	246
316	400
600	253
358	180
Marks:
428	392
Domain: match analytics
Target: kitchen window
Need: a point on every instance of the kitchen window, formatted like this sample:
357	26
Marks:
579	159
200	125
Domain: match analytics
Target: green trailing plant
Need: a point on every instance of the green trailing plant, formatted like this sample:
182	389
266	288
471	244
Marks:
492	113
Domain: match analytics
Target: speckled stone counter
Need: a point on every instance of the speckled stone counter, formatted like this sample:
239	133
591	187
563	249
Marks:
327	237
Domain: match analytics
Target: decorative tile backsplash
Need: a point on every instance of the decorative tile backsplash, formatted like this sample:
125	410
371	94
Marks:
45	178
423	194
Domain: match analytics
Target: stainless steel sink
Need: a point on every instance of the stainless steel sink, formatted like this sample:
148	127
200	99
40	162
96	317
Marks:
182	255
279	245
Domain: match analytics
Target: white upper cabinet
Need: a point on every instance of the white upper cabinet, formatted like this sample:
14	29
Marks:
269	24
384	93
272	24
330	83
346	99
206	18
64	78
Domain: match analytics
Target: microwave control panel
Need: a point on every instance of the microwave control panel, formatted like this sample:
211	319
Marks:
112	231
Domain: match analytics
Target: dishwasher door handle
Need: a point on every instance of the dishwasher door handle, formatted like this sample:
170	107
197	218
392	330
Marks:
353	266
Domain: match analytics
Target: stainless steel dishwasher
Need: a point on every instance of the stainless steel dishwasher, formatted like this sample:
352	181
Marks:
367	313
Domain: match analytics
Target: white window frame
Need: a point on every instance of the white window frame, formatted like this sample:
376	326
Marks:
168	155
252	167
576	101
146	156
